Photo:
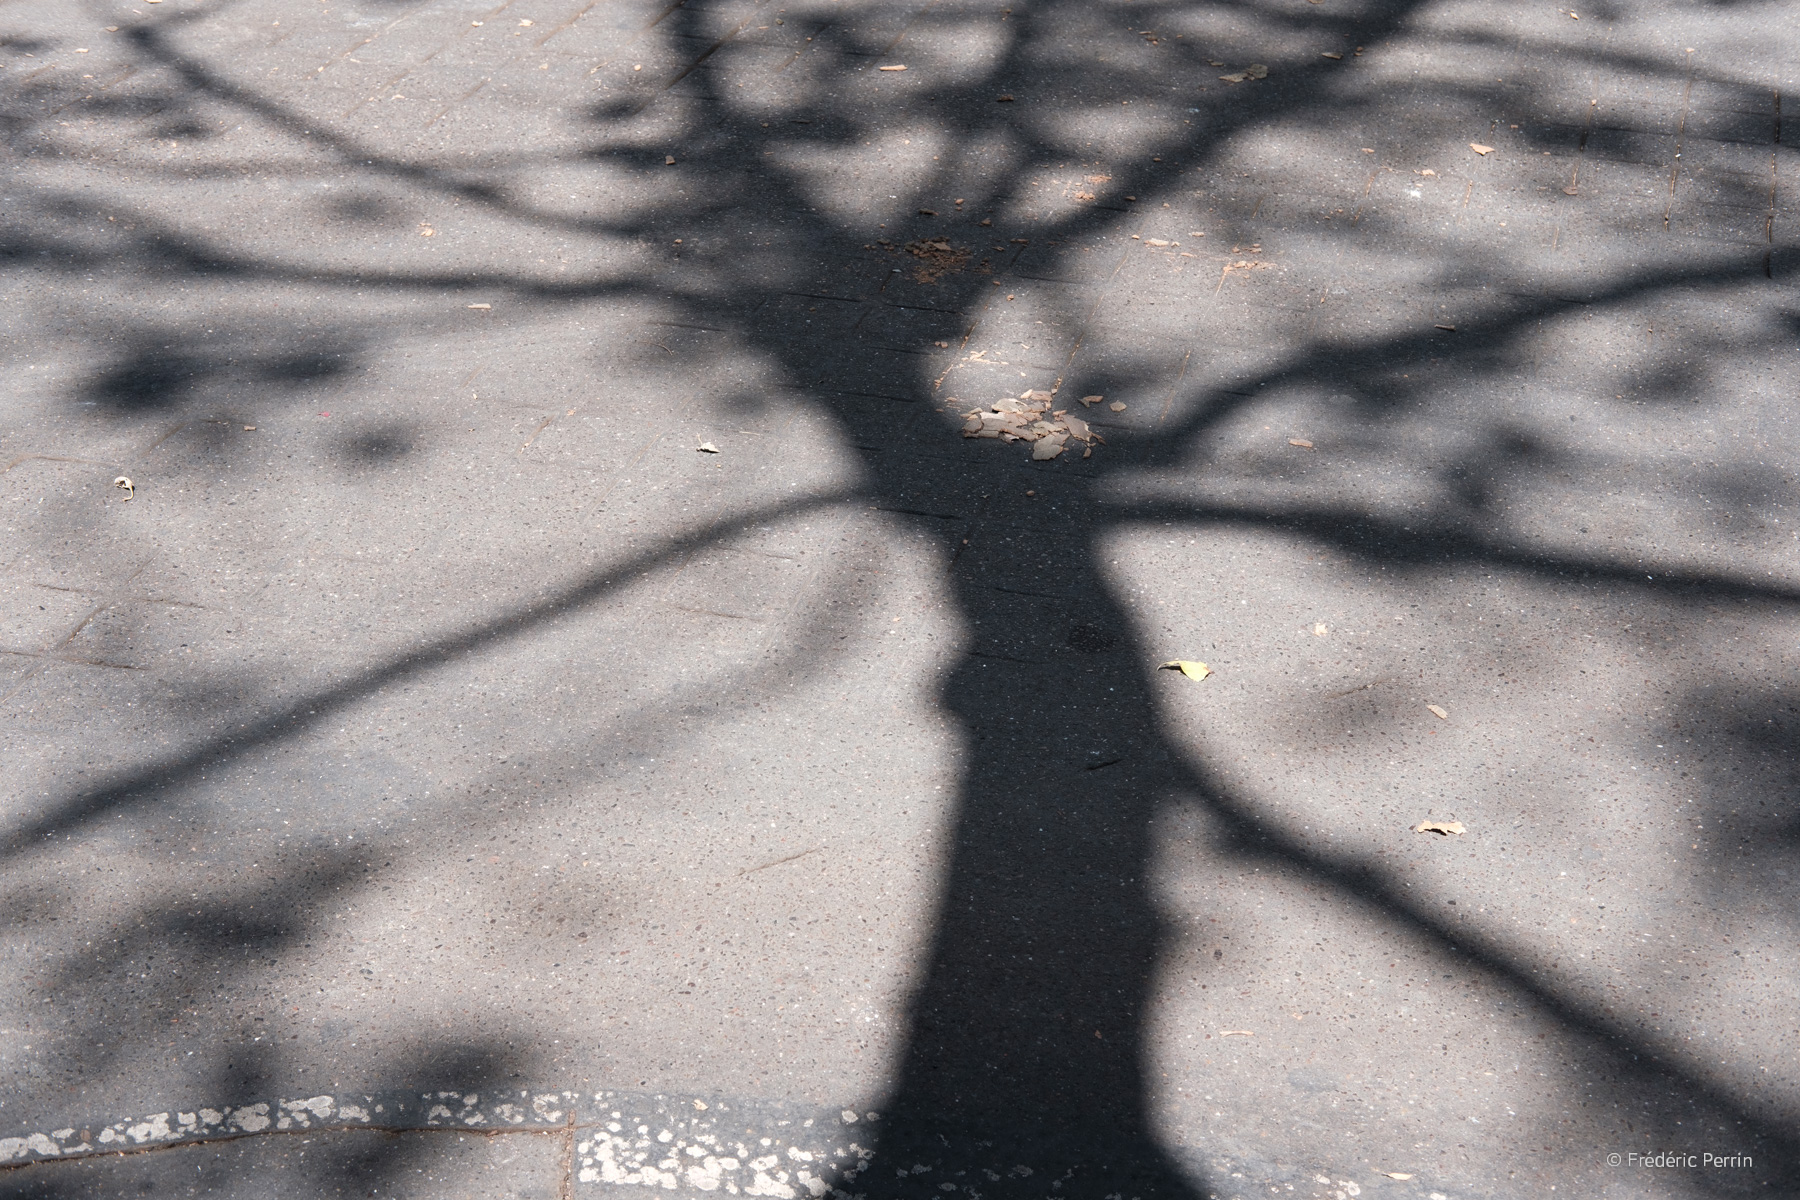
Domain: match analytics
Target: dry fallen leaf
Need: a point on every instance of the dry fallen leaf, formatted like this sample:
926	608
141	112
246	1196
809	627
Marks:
1445	328
1300	442
1440	827
1237	1033
1023	420
1090	401
1437	712
668	160
1396	1174
1428	171
1234	77
123	482
1117	406
249	429
993	425
707	448
1193	670
1478	148
1002	99
1320	630
1331	54
481	306
1257	71
1157	242
895	67
1077	428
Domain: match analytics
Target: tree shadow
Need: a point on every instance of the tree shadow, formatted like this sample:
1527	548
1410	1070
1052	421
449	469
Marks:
1027	1037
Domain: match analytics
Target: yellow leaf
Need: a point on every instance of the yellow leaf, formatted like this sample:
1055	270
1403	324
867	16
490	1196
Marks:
1437	712
1441	827
1193	670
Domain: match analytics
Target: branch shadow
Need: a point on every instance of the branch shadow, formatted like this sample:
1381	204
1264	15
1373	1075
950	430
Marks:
1026	1039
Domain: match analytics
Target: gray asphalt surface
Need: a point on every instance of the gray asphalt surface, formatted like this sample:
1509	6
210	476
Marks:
439	773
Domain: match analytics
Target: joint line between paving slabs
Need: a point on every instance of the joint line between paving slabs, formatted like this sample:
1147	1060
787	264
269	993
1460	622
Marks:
907	28
1175	388
1581	148
1687	93
567	1190
695	65
1774	180
543	41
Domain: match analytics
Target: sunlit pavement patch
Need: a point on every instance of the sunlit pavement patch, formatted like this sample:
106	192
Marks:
737	1148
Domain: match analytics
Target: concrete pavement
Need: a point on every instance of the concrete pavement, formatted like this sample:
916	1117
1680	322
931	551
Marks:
437	751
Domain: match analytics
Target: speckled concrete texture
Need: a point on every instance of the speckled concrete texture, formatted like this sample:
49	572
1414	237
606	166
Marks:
558	657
